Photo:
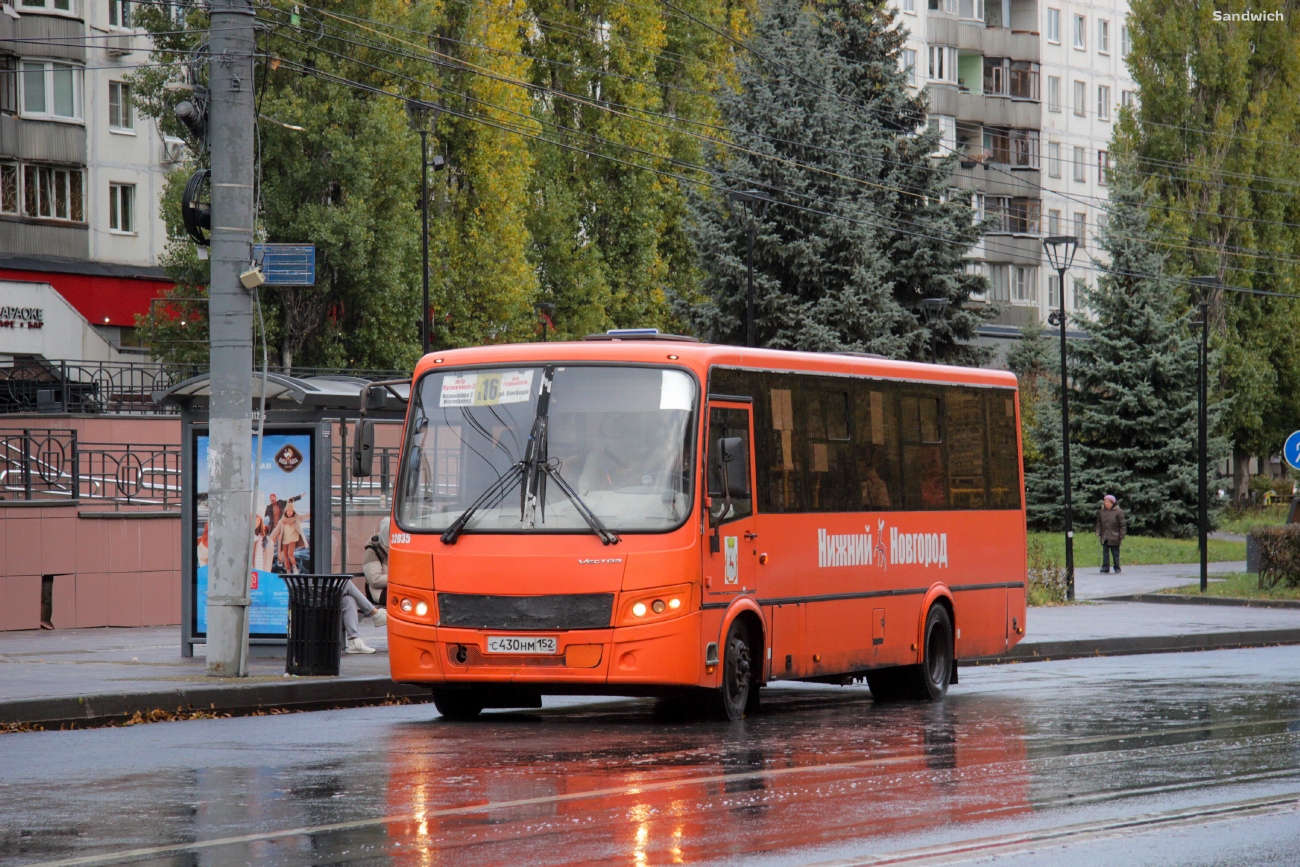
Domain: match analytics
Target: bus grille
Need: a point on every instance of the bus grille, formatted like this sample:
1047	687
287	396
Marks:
570	611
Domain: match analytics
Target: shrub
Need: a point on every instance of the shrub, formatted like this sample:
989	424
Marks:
1279	555
1047	579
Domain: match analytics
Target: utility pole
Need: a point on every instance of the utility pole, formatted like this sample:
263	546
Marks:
752	200
231	120
1204	288
1060	254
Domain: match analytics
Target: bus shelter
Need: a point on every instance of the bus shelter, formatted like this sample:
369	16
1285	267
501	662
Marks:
310	514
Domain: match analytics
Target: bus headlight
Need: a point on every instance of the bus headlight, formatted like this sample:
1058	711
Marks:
406	606
421	608
649	606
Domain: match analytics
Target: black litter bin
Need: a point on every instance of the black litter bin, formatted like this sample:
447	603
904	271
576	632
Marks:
315	624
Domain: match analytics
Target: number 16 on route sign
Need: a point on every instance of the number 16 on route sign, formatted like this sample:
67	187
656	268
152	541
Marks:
1291	451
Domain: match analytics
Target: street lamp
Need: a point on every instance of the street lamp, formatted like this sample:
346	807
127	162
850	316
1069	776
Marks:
754	200
1204	287
545	310
1060	253
932	309
421	116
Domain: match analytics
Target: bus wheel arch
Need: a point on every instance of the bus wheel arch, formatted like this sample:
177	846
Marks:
745	614
937	595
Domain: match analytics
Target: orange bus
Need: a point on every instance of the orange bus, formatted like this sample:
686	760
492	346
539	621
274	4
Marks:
643	514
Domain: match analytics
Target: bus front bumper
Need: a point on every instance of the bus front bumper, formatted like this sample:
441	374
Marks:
669	653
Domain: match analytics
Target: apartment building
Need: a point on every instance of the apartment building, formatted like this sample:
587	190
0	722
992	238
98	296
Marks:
1027	92
81	173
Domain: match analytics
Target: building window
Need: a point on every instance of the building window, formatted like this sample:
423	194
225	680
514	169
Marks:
1103	37
51	90
1080	164
947	130
1024	284
47	5
9	188
1125	41
1126	98
1103	221
1054	159
50	192
949	6
1080	31
909	6
1080	98
119	13
999	282
943	63
121	116
1103	167
121	208
1053	290
973	9
1017	79
1054	26
1015	215
9	84
1081	229
1015	147
1053	93
1054	222
1103	102
1080	292
909	66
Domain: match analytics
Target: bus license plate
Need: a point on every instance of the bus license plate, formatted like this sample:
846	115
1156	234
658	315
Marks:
521	644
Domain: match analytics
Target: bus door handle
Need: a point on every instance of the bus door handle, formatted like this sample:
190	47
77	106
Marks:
749	535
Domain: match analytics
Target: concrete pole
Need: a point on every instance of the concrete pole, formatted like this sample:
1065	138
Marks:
231	118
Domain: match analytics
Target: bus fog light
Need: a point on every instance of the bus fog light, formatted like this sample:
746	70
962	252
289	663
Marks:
674	604
658	606
407	606
421	608
639	609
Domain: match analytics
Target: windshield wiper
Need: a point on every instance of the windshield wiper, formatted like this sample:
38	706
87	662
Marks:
495	493
608	536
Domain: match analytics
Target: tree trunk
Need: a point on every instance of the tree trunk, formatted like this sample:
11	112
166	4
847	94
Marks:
1240	473
286	358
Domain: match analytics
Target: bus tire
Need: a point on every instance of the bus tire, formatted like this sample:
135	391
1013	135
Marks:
931	678
457	704
889	684
731	699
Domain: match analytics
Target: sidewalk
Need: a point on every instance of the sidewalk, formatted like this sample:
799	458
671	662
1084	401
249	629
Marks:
95	675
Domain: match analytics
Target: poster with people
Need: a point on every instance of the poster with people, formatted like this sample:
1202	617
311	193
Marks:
280	526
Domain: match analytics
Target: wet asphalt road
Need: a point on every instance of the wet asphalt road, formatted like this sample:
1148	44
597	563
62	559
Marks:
1189	759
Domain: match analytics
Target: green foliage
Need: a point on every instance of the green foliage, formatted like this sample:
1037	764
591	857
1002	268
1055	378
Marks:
1218	128
847	279
1237	585
1048	582
1133	399
1279	555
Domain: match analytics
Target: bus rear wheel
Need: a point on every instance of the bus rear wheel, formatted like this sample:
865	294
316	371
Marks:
457	704
927	681
732	698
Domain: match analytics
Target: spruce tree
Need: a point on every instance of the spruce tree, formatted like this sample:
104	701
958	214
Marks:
1133	402
863	223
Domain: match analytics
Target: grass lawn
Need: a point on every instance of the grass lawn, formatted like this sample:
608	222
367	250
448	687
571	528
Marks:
1269	516
1238	585
1136	550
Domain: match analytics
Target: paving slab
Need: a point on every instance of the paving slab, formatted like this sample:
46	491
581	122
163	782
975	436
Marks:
1091	584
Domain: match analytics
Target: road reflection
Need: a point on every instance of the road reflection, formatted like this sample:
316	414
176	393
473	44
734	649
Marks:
617	786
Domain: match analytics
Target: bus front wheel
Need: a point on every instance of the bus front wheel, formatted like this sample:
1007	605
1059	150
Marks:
458	704
732	698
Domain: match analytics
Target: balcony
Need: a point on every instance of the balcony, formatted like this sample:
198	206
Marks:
1013	215
1014	79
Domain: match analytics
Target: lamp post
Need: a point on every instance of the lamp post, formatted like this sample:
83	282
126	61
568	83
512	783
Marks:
753	200
1204	287
545	310
1060	253
421	115
932	309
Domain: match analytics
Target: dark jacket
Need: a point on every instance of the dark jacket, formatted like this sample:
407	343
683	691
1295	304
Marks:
1111	526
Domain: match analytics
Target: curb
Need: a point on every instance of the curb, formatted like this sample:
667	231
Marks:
1045	651
236	699
1178	599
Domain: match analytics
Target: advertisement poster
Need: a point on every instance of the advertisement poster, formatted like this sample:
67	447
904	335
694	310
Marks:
281	530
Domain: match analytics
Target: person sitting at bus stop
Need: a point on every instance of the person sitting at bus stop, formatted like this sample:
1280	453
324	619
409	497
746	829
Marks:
1111	528
375	565
356	606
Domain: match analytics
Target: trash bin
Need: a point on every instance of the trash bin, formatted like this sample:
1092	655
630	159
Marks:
315	624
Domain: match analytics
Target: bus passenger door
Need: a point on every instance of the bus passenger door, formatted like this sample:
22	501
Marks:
729	552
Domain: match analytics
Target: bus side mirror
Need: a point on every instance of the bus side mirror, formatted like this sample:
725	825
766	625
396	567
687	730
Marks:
376	399
363	451
735	468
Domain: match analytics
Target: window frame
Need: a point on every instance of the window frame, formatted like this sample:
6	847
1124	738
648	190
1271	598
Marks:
1054	93
121	9
1080	98
1081	228
1103	167
1080	159
31	187
1053	26
1053	159
1080	32
1103	102
48	86
947	62
909	69
120	193
1103	36
123	106
47	7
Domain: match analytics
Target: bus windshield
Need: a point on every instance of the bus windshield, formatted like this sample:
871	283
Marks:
620	437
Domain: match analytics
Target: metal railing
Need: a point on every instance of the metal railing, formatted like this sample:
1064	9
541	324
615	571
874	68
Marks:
37	385
55	466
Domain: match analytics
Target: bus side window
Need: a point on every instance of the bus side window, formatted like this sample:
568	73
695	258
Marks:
784	462
967	469
831	471
1004	456
925	482
876	446
727	424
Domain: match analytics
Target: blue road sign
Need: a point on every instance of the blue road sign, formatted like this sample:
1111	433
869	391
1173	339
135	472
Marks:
1291	451
287	264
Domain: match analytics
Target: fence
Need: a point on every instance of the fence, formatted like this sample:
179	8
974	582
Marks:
55	466
37	385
